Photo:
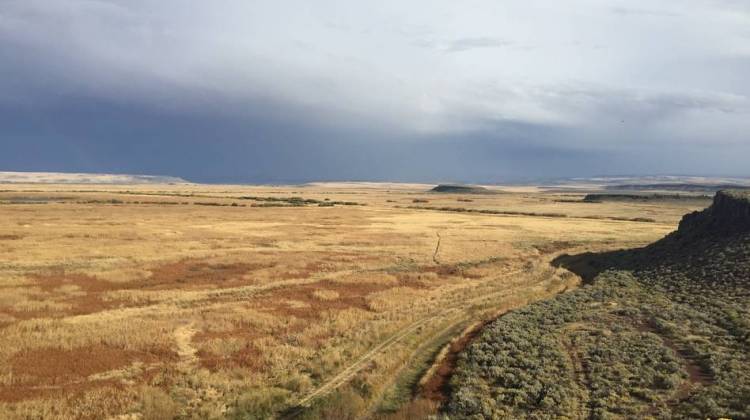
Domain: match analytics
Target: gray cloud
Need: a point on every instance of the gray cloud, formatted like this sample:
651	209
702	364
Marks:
389	77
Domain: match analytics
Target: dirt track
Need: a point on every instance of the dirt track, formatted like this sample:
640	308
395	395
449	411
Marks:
351	370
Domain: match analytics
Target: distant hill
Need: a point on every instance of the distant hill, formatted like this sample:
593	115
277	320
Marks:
84	178
461	189
598	197
656	184
659	332
684	187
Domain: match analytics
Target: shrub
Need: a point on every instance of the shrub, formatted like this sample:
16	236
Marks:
157	405
340	404
260	403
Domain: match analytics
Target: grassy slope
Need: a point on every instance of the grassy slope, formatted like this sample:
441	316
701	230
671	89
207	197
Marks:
662	332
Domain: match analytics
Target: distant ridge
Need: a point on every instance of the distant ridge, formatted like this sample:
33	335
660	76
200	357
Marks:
683	187
598	197
460	189
85	178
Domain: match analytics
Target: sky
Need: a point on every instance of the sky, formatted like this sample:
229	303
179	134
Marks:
491	91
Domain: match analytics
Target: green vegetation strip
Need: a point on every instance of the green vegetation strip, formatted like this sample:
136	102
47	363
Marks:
525	213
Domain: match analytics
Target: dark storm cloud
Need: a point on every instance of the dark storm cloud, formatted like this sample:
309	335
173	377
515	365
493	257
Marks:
295	91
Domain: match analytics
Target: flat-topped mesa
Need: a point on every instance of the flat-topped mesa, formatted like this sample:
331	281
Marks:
460	189
729	214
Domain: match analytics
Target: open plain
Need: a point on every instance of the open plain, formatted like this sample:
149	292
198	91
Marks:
324	300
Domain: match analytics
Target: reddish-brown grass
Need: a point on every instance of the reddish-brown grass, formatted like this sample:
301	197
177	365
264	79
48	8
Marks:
187	273
249	357
48	372
88	299
56	366
351	295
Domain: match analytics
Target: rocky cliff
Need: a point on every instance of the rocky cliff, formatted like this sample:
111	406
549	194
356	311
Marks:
728	215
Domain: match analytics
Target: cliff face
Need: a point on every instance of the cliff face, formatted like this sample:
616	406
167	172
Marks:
729	214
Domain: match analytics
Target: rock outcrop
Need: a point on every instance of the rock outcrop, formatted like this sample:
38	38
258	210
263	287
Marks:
728	215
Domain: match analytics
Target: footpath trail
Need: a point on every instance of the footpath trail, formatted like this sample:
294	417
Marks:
351	370
449	312
187	365
183	337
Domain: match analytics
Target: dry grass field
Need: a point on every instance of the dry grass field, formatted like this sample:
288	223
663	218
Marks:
194	301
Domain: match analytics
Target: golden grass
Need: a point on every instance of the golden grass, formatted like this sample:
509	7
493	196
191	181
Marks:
195	307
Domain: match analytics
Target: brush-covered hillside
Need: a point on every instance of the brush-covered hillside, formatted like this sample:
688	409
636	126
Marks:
658	332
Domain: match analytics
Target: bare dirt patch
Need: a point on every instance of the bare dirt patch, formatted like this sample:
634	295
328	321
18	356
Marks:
697	375
436	387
